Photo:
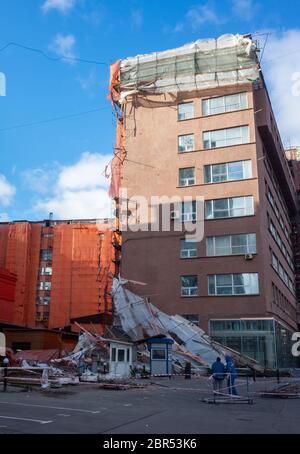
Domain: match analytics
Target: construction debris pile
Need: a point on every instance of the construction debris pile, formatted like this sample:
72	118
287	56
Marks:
125	353
141	320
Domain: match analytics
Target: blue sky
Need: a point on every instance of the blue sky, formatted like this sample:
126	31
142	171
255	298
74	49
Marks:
58	166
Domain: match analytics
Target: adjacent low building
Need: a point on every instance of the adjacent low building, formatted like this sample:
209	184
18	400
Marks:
64	270
7	295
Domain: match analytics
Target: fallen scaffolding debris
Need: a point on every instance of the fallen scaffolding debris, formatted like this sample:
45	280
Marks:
227	399
286	391
141	320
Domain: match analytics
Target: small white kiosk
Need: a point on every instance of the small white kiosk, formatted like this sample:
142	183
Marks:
120	359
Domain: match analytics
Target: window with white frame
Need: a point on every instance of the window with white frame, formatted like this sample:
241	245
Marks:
229	208
46	271
230	171
186	143
189	211
231	245
45	286
185	111
226	137
189	285
222	104
188	249
233	284
187	177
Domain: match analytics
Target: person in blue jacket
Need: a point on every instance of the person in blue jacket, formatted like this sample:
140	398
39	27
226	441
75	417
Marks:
231	375
218	373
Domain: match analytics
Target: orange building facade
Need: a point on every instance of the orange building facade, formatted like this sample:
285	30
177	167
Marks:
64	269
7	295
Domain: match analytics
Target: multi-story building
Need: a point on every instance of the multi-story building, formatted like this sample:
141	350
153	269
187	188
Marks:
7	295
198	121
293	156
63	269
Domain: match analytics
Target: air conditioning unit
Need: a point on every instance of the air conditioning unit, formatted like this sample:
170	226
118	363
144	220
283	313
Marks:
249	257
175	215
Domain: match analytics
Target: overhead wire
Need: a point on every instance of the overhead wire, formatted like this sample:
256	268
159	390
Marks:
50	120
48	57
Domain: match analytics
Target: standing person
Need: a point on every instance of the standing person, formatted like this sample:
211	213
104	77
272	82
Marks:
232	375
5	362
218	371
188	371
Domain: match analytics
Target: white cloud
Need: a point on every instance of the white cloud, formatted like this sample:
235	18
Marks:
137	18
281	64
244	9
86	173
202	14
62	6
7	191
40	179
87	204
63	46
4	217
79	191
90	83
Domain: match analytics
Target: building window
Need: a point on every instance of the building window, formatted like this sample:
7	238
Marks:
15	346
186	143
158	354
193	318
113	355
231	171
189	211
224	104
229	208
189	286
46	254
45	286
280	243
226	137
278	267
46	271
275	263
185	111
43	300
231	245
187	177
47	235
121	355
188	249
233	284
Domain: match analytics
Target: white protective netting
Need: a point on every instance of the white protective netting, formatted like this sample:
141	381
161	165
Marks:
228	60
